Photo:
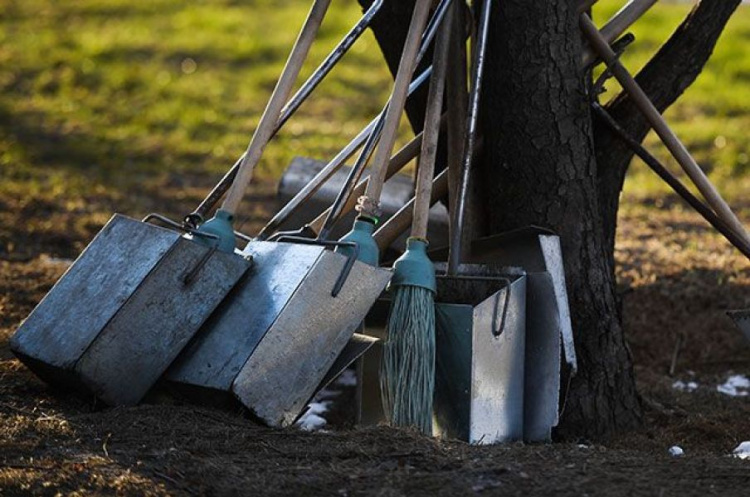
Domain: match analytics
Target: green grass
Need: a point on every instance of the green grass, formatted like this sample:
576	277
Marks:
93	89
102	93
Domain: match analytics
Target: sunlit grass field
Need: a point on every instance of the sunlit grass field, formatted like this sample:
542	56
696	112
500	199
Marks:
99	94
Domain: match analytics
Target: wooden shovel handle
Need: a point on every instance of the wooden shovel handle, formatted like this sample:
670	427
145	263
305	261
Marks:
622	20
397	162
279	97
398	99
670	140
400	221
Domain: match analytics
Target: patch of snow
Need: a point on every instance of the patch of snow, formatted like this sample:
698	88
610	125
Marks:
347	379
682	386
311	422
56	260
326	394
676	451
312	419
736	386
742	451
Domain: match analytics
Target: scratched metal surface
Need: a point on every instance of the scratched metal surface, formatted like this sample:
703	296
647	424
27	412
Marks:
293	357
230	336
542	366
553	260
479	394
534	249
156	322
87	296
497	386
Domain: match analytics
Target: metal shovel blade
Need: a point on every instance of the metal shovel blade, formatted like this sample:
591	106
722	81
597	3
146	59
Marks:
293	357
207	367
742	319
272	341
480	355
122	312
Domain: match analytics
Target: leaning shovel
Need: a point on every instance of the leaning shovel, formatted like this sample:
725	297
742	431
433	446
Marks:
125	308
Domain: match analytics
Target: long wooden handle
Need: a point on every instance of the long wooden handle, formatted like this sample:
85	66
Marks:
670	140
622	20
279	97
431	133
401	220
397	162
398	99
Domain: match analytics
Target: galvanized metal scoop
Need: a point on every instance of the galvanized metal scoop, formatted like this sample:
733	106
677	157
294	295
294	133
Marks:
121	313
137	295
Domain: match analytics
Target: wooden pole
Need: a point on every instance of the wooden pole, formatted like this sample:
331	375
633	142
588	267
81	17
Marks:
279	97
622	20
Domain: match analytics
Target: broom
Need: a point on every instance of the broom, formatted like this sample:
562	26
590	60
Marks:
408	366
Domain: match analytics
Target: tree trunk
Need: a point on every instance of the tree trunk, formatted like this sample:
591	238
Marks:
539	168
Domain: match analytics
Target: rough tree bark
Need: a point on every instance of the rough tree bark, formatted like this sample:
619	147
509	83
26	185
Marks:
539	168
545	163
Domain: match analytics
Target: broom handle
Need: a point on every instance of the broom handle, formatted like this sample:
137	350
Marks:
675	146
397	162
406	68
431	133
622	20
270	116
400	221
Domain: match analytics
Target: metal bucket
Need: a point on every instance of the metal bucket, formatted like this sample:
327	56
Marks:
538	252
275	337
543	356
480	355
479	384
535	250
122	312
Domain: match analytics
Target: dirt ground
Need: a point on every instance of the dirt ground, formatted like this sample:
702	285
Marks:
677	278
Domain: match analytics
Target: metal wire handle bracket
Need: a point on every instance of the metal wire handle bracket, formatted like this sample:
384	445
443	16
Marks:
350	259
506	303
191	273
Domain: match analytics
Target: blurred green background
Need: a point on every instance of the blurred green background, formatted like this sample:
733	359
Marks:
155	98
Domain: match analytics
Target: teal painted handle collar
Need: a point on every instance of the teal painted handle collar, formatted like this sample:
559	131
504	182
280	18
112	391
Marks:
414	268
